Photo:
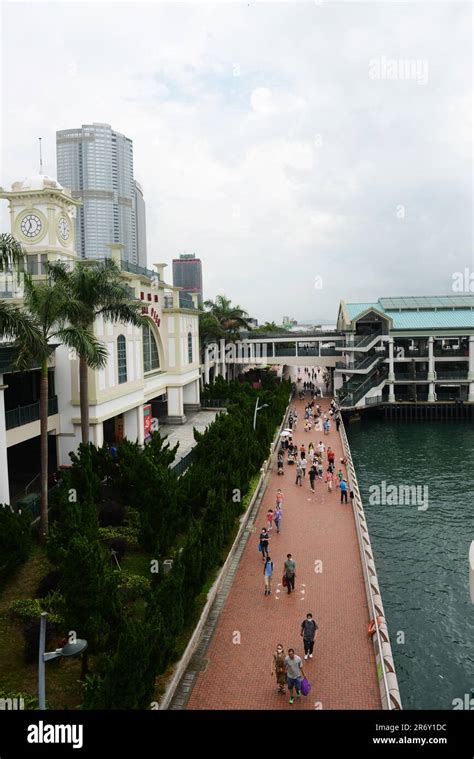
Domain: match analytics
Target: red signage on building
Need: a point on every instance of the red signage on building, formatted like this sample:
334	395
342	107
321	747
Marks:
147	420
152	313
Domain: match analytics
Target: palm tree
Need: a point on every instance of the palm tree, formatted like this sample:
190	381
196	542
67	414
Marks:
210	329
101	291
53	314
12	254
267	327
230	318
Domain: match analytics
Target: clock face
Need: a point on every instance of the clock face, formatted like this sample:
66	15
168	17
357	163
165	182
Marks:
63	228
31	225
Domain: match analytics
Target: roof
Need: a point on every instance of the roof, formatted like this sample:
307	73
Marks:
422	312
36	182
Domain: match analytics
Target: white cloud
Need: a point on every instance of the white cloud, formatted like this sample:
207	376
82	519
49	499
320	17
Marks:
260	140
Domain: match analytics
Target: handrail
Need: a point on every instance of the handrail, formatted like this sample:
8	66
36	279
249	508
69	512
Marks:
31	482
390	695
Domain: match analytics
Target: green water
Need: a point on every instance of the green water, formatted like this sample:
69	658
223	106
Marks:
422	555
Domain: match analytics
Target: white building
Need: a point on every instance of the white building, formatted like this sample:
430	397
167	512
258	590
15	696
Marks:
151	373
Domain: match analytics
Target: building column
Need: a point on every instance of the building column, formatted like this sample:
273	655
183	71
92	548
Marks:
223	371
391	372
470	372
191	397
134	425
4	484
175	405
431	363
206	365
431	370
98	434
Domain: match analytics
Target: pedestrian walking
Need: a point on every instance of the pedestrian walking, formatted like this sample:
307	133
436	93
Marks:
264	538
289	569
267	573
331	456
338	423
280	464
277	518
308	633
303	463
270	516
329	479
279	498
294	673
279	667
343	487
312	477
299	475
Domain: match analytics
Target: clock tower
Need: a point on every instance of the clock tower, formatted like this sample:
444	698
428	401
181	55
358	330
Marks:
42	215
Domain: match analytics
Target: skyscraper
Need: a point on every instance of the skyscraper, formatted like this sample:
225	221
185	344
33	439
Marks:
140	225
187	273
96	163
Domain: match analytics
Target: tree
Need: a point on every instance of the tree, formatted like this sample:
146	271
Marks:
53	313
12	254
15	325
102	293
268	327
230	318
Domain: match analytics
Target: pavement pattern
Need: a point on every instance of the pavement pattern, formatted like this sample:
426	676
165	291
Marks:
236	656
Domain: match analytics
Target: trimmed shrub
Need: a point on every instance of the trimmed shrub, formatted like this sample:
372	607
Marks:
15	541
48	584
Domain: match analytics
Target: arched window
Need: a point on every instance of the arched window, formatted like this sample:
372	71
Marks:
190	348
151	358
122	359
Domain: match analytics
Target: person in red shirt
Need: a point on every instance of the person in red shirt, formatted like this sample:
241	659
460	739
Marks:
331	455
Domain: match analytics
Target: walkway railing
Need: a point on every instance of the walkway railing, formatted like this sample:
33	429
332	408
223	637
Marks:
388	683
182	464
16	417
214	402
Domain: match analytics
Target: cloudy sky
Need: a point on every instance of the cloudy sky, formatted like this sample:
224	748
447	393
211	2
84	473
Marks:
306	151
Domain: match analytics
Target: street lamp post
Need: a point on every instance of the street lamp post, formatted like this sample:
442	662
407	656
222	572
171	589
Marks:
70	649
257	408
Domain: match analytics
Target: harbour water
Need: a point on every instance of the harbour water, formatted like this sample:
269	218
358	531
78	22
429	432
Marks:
421	550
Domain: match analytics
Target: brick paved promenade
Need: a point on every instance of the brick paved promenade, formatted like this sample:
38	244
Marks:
315	528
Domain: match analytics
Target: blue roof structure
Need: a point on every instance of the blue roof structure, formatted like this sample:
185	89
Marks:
428	312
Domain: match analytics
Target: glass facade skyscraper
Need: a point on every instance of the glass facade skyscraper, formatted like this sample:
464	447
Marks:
96	163
187	273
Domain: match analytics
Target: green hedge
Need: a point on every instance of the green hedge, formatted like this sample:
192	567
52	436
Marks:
15	541
133	622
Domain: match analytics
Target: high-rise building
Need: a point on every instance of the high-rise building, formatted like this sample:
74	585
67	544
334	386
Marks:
140	225
96	163
187	274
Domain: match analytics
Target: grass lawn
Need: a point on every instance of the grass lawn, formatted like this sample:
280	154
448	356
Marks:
63	689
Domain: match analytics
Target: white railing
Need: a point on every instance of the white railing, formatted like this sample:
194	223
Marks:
388	683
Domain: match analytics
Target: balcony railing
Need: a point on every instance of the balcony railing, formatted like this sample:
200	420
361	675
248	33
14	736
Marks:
135	269
407	377
374	400
448	352
16	417
447	374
